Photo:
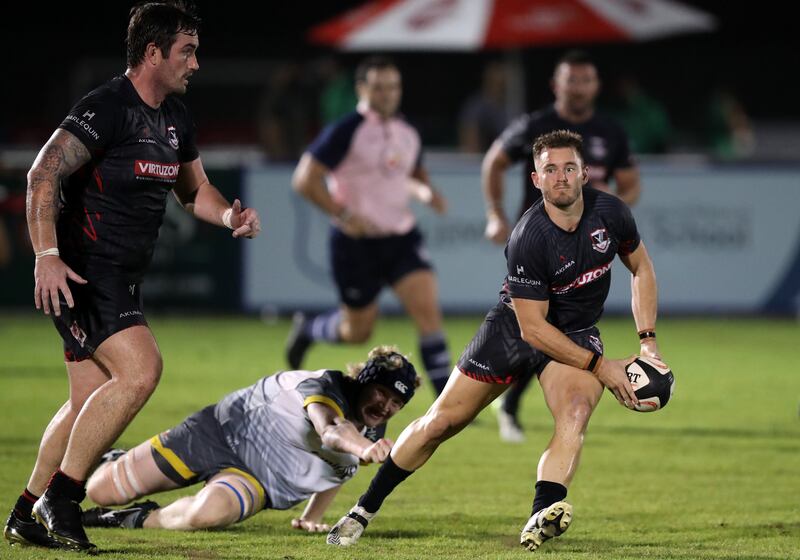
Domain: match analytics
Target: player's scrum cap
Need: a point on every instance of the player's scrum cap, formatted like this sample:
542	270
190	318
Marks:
392	371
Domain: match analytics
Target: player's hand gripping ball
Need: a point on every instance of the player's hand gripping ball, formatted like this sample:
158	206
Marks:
652	384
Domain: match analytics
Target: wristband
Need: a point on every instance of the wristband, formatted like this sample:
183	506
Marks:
51	252
226	218
594	362
647	333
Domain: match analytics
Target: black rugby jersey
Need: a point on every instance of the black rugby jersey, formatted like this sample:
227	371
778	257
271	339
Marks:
570	269
114	205
605	146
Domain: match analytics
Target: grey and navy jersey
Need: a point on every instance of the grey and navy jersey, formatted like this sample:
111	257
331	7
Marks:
114	205
267	426
605	146
571	270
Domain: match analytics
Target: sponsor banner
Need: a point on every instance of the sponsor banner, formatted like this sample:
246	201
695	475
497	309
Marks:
723	239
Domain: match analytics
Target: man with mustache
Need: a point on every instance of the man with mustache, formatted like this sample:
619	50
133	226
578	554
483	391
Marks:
288	437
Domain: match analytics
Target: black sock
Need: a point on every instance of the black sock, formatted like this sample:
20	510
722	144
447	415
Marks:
436	359
63	485
385	480
24	505
548	493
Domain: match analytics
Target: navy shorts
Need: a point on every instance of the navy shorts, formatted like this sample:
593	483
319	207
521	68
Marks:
107	304
362	267
498	354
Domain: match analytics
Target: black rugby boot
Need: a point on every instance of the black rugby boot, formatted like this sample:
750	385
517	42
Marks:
62	518
298	342
131	517
27	533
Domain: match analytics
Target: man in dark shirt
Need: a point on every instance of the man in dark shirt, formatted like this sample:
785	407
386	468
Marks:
575	84
112	163
559	264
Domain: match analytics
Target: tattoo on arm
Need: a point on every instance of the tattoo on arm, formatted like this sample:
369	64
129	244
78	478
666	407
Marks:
60	157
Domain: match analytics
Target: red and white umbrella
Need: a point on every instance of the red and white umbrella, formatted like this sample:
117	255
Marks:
466	25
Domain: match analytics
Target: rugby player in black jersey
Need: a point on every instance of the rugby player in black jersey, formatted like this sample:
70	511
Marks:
575	85
558	275
96	197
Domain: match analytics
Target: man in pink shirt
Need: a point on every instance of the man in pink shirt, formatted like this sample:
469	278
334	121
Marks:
371	159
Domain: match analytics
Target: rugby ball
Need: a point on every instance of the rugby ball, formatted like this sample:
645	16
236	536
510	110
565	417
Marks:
652	384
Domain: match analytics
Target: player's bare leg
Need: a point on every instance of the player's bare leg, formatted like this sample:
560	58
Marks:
419	293
571	395
227	498
132	359
84	378
357	324
462	399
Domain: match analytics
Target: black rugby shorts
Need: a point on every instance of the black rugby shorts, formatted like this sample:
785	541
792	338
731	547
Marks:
109	303
498	354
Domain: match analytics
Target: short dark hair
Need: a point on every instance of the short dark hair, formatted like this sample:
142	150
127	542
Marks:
575	56
558	139
376	62
159	23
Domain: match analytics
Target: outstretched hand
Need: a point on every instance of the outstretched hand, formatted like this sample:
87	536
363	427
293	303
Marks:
310	526
244	221
377	452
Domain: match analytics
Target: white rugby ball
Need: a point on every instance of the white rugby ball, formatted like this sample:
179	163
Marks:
652	384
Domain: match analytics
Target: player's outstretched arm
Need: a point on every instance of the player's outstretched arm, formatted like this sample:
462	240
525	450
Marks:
341	434
494	165
536	331
202	199
311	520
60	157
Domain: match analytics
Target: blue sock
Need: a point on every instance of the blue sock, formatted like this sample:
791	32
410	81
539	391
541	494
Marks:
436	359
324	327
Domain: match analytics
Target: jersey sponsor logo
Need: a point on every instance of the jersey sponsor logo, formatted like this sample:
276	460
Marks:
87	128
172	136
401	387
596	342
586	278
600	240
523	281
570	264
165	171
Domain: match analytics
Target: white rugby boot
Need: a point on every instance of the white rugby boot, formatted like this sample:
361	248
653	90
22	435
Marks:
350	527
545	524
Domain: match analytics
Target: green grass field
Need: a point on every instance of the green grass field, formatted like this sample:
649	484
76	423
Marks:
715	475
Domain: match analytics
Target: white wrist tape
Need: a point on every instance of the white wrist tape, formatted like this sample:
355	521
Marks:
52	251
226	218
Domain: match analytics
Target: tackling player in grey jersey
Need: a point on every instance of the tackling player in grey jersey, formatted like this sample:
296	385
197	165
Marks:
288	437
